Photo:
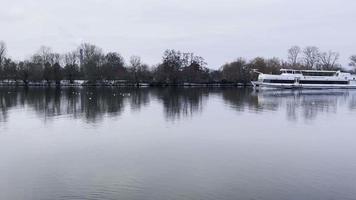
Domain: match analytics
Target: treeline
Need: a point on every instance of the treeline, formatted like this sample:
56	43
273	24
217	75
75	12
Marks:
90	64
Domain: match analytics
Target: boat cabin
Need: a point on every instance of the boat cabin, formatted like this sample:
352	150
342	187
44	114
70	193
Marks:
310	72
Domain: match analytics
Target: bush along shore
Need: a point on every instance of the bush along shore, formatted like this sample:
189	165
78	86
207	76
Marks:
89	65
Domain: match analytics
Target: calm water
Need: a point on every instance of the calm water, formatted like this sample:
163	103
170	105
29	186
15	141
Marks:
161	144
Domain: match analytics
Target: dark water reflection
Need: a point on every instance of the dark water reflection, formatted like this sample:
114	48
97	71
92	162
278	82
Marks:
176	143
92	104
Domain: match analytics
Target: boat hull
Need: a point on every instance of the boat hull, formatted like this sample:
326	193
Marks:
262	85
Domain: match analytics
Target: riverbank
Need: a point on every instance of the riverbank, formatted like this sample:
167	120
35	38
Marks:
81	83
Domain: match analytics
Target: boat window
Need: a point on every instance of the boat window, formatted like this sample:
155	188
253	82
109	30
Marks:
324	82
277	81
315	73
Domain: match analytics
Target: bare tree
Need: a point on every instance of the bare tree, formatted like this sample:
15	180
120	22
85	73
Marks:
91	58
353	62
90	52
194	70
24	71
2	52
71	58
273	65
113	67
139	71
170	68
328	60
311	57
46	55
9	69
135	63
45	59
71	66
234	71
293	55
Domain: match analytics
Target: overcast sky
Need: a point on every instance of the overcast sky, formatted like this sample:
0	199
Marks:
219	30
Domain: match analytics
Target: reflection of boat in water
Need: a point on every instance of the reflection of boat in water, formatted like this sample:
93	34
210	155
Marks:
308	79
308	103
306	92
305	95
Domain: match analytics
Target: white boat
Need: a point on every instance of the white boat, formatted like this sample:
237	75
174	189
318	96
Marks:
308	79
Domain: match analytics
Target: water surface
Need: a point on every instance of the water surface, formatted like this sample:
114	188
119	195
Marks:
175	143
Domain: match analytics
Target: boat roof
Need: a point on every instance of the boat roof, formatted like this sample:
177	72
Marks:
317	71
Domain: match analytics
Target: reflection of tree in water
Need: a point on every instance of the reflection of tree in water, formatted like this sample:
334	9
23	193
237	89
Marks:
240	99
96	102
181	102
352	104
314	104
73	102
92	103
139	97
306	103
8	99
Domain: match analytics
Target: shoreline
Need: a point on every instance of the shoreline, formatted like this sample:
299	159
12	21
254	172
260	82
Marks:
122	85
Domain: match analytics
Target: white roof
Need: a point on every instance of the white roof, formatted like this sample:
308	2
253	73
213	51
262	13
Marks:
320	71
